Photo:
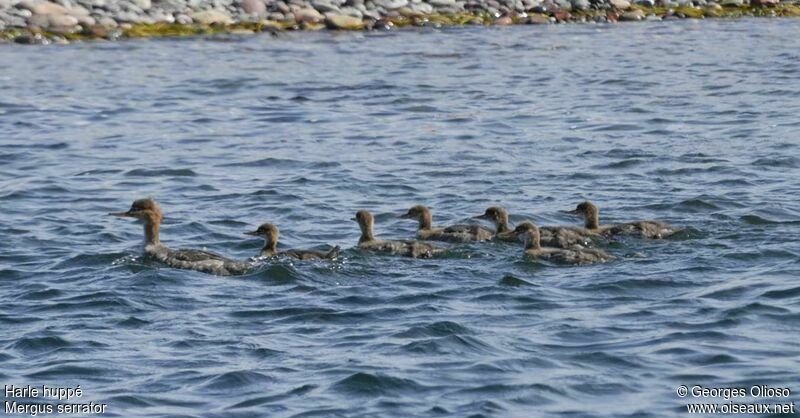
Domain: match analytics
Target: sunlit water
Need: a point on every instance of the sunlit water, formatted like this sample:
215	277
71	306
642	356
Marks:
694	123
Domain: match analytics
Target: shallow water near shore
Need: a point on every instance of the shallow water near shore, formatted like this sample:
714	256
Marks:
691	122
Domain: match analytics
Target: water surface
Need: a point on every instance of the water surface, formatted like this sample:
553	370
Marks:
691	122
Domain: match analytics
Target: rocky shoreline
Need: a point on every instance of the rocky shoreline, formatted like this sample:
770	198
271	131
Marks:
62	21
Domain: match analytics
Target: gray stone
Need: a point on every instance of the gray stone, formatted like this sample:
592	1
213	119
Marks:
324	6
620	4
107	22
343	22
373	14
391	4
254	7
183	19
211	17
308	15
143	4
423	8
352	11
161	16
442	3
44	8
581	4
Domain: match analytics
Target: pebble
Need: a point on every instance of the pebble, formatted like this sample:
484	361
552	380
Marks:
620	4
343	22
67	16
308	15
210	17
254	7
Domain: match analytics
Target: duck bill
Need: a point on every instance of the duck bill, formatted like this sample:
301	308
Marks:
122	214
574	212
484	216
252	233
405	216
354	219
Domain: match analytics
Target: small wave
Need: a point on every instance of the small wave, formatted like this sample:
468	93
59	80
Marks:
231	381
757	220
450	344
509	280
38	345
367	384
177	172
787	161
788	293
133	322
436	329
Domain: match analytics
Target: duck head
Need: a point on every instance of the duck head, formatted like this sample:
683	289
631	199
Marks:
589	212
147	211
365	221
498	216
270	233
530	234
420	213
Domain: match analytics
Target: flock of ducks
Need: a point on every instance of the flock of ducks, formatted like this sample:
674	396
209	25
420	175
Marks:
560	244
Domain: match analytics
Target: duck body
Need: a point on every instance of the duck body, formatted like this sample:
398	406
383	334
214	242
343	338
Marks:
454	233
271	233
567	237
198	260
148	212
534	249
407	248
569	256
642	229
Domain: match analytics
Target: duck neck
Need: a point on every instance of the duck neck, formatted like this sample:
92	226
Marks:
270	248
593	220
534	243
502	224
366	234
151	231
425	220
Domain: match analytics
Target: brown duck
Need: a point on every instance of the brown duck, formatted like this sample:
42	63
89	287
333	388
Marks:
643	229
534	249
457	233
499	217
270	233
407	248
148	212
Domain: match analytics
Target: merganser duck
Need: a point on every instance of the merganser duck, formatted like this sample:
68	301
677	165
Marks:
459	233
534	249
147	211
560	236
271	233
644	229
499	217
408	248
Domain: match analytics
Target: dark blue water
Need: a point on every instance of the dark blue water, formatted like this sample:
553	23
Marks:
694	123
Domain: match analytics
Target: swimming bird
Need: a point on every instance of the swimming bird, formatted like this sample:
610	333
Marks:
534	249
499	217
271	233
644	229
148	212
459	233
561	236
408	248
